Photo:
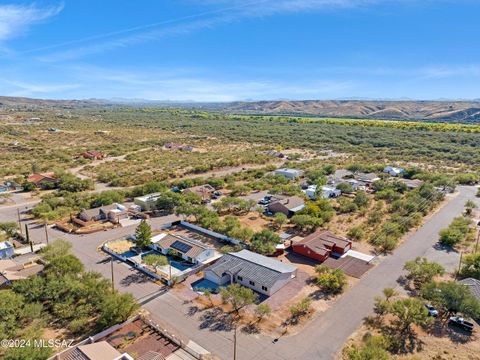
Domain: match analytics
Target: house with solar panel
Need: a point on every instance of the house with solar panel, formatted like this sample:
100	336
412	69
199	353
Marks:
257	272
188	249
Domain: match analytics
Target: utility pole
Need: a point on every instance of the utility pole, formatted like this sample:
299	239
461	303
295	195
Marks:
111	267
478	238
46	232
235	341
27	235
459	265
19	221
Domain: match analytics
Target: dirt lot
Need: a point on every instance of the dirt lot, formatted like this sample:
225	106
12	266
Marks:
436	346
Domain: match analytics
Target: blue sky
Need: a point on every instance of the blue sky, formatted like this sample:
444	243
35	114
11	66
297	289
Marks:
227	50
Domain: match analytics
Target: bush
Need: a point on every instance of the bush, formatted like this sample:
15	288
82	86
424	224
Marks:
356	233
331	281
456	232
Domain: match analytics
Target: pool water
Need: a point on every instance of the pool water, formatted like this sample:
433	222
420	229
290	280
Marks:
205	284
179	265
129	254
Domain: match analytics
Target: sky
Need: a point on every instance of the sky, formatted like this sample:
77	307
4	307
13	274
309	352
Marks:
236	50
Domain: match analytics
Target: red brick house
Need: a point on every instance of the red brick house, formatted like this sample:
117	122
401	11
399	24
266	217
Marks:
93	155
322	244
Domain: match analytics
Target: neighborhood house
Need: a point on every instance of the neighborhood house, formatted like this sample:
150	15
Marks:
286	205
393	171
114	213
43	180
19	268
289	173
327	192
321	245
6	250
9	186
204	191
190	250
367	178
257	272
93	155
147	202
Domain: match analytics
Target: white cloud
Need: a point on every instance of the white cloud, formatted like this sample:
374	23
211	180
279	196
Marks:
230	11
20	88
16	19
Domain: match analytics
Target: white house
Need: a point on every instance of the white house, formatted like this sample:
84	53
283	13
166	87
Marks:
327	192
147	202
257	272
190	250
393	171
289	173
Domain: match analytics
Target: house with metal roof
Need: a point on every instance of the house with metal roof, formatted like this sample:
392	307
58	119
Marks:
147	202
190	250
6	250
289	205
289	173
393	170
473	285
257	272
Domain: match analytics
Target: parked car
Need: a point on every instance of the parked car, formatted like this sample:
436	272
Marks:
176	189
431	310
461	323
265	200
268	213
218	193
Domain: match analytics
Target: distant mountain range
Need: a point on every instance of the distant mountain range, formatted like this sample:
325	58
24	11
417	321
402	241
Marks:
441	111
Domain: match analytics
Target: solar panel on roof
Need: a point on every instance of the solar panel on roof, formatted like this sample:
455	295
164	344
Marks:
180	246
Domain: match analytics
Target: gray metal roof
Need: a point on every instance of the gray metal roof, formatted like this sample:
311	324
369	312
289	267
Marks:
473	285
251	266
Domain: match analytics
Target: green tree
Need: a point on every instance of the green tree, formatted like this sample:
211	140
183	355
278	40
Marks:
408	312
280	219
372	348
155	260
471	266
10	228
356	233
469	207
168	201
143	234
117	308
331	281
56	249
64	265
11	305
262	310
345	188
238	296
300	309
264	242
456	232
361	199
421	271
451	298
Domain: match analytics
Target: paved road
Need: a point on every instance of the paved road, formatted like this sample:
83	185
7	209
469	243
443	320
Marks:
323	336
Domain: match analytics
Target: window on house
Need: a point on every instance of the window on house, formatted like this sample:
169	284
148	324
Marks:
239	278
264	288
252	283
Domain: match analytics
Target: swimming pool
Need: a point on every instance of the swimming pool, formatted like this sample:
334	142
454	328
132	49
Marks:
203	284
180	265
